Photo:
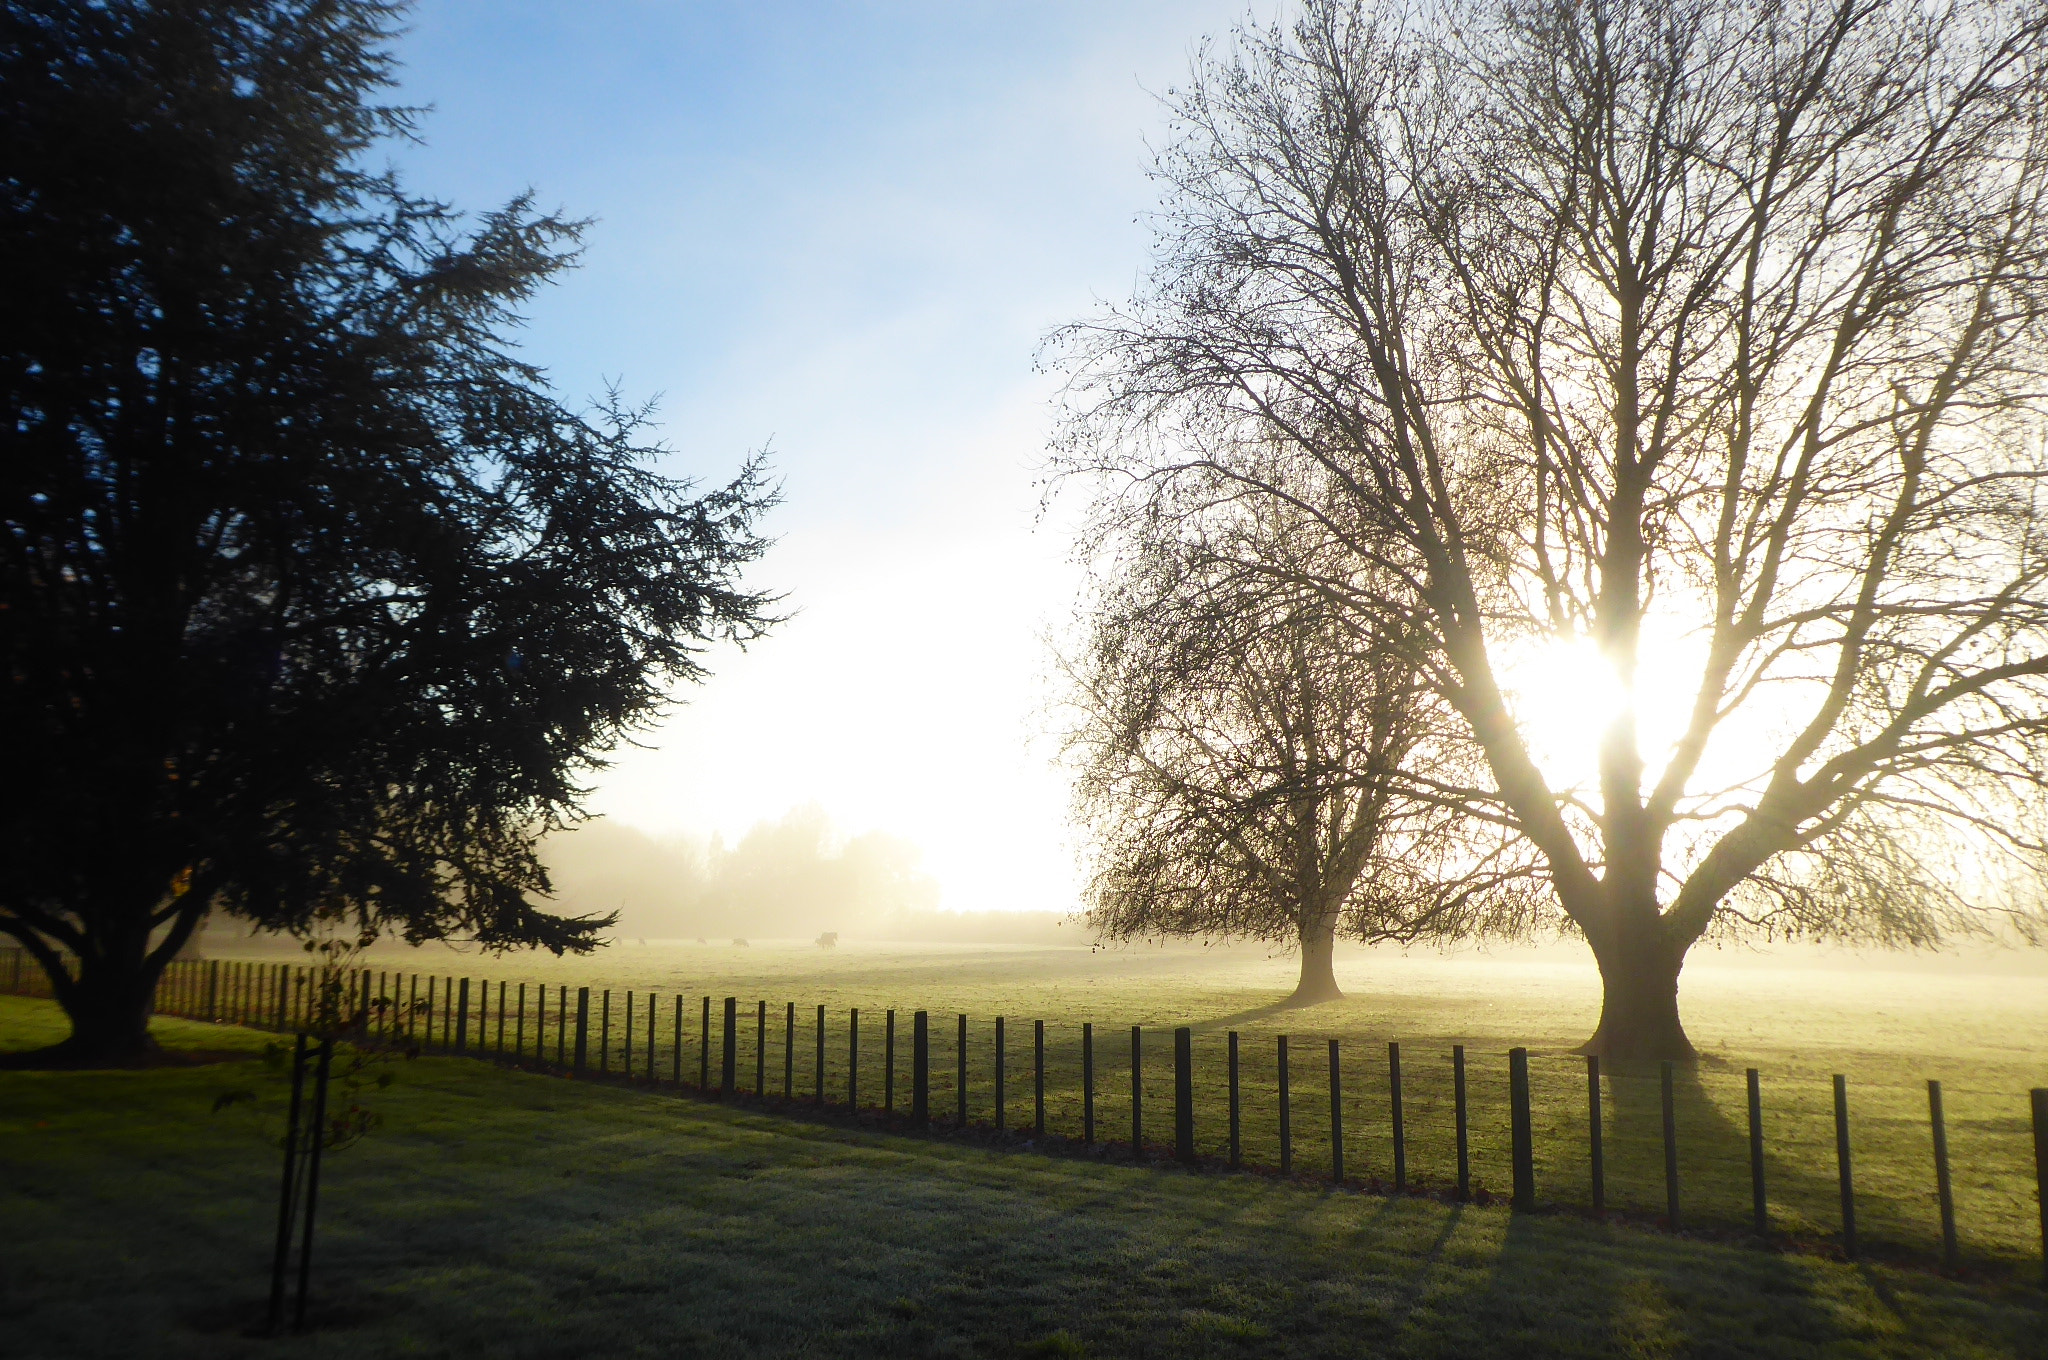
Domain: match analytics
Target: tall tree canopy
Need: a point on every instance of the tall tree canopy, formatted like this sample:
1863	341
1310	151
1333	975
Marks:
1710	333
316	603
1250	762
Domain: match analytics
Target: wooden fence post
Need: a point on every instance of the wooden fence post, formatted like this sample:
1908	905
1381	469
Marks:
853	1058
760	1048
1002	1079
604	1031
1236	1110
1088	1083
1842	1162
626	1048
704	1048
2038	1097
1596	1134
1184	1094
561	1023
501	1016
889	1062
652	1015
1522	1135
519	1023
433	1008
1759	1202
1286	1111
789	1051
1464	1122
820	1093
1336	1117
1943	1188
212	991
462	1018
280	978
582	1027
1400	1129
1670	1110
676	1032
1038	1078
960	1081
920	1070
1137	1091
729	1053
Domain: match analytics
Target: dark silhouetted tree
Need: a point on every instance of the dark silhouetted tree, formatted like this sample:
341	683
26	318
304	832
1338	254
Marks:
1713	334
316	604
1250	763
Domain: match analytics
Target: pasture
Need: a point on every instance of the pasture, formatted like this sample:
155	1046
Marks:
506	1214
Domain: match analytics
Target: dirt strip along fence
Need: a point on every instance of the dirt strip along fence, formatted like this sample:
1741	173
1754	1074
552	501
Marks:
1208	1090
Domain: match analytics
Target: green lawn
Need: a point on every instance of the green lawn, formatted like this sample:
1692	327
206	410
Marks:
1985	1037
500	1213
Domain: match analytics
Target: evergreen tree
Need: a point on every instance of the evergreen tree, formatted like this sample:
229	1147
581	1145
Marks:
316	603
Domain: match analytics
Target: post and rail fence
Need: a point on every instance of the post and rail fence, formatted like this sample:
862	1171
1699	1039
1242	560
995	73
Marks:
464	1016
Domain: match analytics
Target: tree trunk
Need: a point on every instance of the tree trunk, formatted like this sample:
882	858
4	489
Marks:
1639	997
1318	972
109	1006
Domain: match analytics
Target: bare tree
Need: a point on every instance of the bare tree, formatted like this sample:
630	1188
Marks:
1710	332
1240	749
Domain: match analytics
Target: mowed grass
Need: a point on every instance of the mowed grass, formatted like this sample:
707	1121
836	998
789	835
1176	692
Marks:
1984	1037
502	1213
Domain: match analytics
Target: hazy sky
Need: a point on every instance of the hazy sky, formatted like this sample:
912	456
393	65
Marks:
839	231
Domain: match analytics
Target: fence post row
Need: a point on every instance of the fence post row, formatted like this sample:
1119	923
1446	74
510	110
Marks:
1842	1161
282	995
2038	1097
1038	1077
1463	1122
1286	1108
1236	1121
1670	1111
1519	1123
1759	1203
1184	1094
920	1070
1595	1133
582	1027
1944	1191
729	1054
1399	1130
1137	1091
1336	1117
1088	1083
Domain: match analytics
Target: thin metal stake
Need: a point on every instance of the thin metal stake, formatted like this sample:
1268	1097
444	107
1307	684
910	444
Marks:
287	1193
319	1141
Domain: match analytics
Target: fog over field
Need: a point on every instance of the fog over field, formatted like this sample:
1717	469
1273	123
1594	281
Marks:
792	878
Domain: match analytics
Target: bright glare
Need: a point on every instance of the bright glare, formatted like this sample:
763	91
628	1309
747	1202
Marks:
1565	693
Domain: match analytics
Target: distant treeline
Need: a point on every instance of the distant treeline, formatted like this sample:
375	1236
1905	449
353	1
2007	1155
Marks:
791	878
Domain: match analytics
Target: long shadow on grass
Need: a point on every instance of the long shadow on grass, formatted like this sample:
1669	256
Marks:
1557	1287
1281	1007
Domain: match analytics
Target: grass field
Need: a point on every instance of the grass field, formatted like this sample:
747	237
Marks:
1985	1038
499	1213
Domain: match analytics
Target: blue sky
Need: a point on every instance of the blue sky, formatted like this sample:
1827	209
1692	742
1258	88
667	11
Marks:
839	231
